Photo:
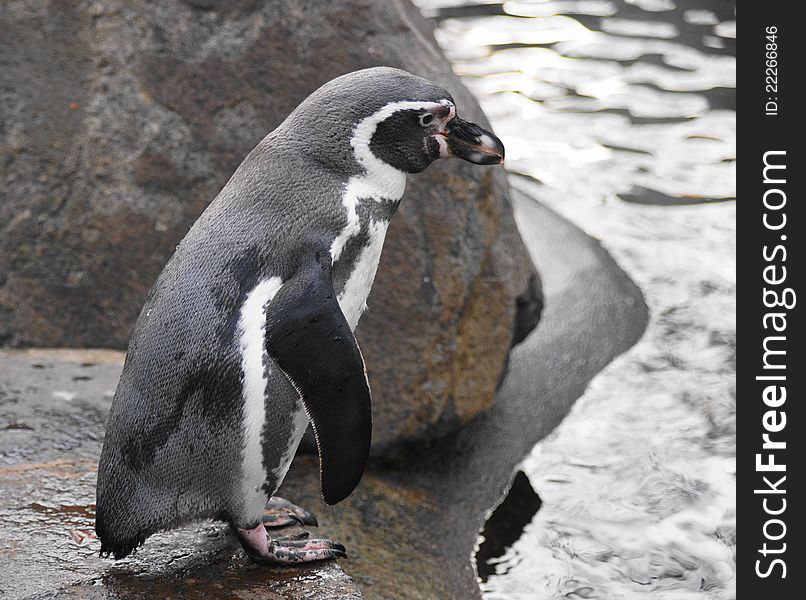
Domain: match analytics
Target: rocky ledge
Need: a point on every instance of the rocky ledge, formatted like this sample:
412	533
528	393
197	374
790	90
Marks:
410	533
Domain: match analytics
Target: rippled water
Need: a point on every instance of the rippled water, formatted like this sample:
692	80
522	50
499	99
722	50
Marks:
620	115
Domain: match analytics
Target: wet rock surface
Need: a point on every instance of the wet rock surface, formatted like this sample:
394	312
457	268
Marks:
119	124
53	407
410	533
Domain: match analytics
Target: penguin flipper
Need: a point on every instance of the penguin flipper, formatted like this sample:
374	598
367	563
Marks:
310	340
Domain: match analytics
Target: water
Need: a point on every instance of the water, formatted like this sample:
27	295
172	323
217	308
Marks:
620	115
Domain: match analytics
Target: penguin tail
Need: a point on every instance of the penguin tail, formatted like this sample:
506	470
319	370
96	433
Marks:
121	518
112	543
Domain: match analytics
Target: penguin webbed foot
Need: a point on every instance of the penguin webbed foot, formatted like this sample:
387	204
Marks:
293	552
294	536
292	549
282	513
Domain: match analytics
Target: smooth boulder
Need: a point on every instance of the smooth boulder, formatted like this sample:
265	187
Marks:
119	124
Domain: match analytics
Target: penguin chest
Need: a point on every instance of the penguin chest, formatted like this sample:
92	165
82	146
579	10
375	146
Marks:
353	297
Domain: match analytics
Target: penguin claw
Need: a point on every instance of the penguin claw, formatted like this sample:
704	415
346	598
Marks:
282	513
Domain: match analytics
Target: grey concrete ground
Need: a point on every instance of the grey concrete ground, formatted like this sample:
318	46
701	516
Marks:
410	533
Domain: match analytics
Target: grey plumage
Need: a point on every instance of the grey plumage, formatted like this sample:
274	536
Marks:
174	442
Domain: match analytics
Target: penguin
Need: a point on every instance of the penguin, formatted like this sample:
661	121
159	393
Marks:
247	335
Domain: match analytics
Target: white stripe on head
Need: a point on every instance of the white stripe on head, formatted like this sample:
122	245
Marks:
363	132
380	181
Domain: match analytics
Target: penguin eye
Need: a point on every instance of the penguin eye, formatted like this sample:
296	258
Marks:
426	118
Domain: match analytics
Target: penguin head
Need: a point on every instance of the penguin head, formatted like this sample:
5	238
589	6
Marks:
389	115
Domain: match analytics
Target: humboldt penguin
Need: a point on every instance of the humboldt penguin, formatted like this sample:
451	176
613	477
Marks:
247	334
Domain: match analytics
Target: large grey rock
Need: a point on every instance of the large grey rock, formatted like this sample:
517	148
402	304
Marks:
120	121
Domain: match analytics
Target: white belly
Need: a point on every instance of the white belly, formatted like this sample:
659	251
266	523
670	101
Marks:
353	298
251	329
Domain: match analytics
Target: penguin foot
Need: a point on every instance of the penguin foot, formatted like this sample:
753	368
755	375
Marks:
286	550
292	537
301	551
282	513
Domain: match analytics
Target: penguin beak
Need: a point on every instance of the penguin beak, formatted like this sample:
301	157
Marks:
472	143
